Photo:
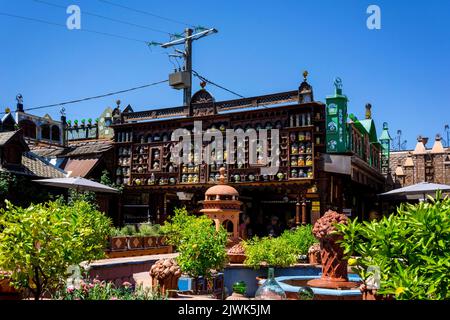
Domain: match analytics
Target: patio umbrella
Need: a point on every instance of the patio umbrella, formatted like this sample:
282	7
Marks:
77	183
421	189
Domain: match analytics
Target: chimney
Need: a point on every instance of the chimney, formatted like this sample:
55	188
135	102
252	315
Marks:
438	147
420	146
399	170
368	111
409	161
19	99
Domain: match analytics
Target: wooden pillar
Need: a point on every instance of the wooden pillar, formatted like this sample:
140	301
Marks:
303	210
297	211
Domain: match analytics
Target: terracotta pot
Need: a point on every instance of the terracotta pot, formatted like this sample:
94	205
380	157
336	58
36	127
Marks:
135	242
236	258
118	243
150	241
167	286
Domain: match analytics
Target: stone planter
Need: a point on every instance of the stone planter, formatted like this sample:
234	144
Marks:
161	241
118	243
149	242
135	242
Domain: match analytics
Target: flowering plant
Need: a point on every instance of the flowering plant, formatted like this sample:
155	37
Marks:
102	290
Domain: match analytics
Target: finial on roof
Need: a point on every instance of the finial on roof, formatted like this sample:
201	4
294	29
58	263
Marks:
203	84
222	175
19	99
305	75
7	110
368	111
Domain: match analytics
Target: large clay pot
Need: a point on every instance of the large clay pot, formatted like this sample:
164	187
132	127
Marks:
165	274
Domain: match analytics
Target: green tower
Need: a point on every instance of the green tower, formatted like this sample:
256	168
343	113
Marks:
385	141
337	120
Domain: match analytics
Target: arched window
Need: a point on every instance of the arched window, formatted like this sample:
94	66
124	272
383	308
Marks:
45	131
228	225
29	128
55	133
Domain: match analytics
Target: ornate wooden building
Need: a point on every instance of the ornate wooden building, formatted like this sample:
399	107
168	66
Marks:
308	180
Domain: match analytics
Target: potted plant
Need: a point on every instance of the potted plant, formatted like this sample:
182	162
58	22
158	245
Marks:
90	122
404	255
118	240
201	250
75	123
149	235
236	254
83	122
69	123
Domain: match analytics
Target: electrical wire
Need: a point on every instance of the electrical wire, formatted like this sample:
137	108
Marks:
195	73
65	27
146	13
108	18
94	97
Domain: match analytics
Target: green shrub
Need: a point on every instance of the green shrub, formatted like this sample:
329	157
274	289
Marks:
39	243
411	249
275	252
149	230
279	252
300	239
201	247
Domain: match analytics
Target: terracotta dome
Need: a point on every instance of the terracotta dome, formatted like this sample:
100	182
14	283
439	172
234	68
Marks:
222	190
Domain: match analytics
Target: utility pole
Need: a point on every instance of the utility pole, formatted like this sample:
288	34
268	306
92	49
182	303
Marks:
183	79
187	92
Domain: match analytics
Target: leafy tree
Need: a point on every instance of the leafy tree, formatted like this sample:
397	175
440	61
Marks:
39	243
411	249
201	247
106	180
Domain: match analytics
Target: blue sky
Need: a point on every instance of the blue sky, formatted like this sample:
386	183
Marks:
262	47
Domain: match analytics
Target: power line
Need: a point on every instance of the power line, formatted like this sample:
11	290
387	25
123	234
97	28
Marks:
95	97
65	27
195	73
108	18
146	13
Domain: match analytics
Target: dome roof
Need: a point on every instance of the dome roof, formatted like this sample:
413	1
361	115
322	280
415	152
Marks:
221	190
